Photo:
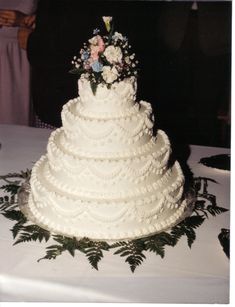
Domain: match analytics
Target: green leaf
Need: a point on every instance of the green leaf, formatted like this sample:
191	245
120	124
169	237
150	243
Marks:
156	243
94	255
84	243
224	239
60	239
94	252
200	204
76	71
197	184
52	252
122	249
186	228
8	206
32	233
111	32
69	244
14	215
134	250
214	210
118	244
24	237
94	87
10	188
12	175
193	221
154	246
17	228
191	236
104	61
134	260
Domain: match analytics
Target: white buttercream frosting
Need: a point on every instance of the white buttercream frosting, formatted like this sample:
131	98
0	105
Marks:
105	175
120	97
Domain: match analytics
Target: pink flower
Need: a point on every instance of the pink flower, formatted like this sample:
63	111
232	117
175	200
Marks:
97	46
101	44
94	52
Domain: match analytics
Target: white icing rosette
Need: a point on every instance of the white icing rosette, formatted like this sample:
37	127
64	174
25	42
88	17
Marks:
109	74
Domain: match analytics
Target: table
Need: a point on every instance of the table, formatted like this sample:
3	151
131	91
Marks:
196	275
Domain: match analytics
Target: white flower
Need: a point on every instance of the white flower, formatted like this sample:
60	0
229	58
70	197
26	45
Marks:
117	36
93	40
113	54
109	74
127	60
107	20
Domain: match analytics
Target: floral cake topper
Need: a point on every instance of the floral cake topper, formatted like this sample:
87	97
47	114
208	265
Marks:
105	59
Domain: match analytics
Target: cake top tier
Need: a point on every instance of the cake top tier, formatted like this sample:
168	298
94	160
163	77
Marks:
105	59
120	96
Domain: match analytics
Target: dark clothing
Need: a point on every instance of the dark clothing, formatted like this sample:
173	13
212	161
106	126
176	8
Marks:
195	60
213	25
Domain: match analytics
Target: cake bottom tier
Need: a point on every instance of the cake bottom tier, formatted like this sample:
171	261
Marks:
108	220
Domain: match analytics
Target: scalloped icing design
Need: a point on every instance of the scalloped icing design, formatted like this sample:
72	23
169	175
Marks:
88	189
132	130
105	175
59	146
120	174
74	109
110	231
138	216
120	96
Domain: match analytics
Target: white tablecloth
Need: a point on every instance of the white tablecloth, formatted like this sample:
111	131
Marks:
196	275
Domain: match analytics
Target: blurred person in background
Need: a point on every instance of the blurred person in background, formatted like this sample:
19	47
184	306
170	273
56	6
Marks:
14	65
194	70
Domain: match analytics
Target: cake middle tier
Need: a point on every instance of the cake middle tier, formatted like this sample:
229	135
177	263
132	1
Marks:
89	185
134	169
112	133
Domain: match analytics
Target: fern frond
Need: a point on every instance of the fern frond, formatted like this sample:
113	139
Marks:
33	233
214	210
94	252
134	252
52	252
14	215
10	188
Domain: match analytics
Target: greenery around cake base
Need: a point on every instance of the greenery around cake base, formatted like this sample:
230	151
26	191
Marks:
133	252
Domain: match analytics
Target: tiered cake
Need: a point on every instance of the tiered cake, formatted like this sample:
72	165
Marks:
105	175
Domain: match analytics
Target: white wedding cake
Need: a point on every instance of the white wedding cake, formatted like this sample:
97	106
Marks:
105	175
